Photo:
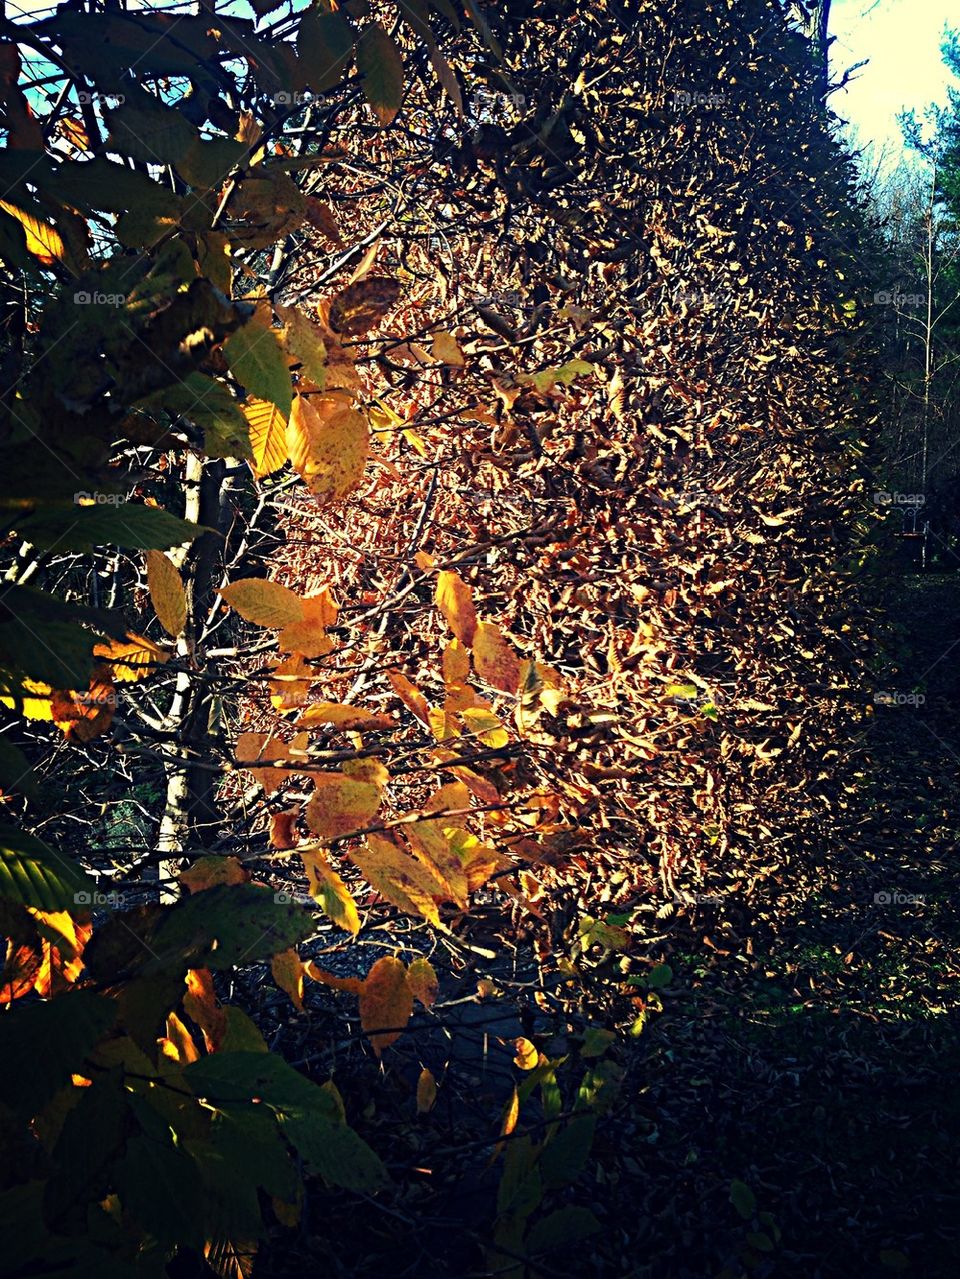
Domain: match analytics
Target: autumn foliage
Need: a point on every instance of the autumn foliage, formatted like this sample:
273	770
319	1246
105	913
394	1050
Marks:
430	529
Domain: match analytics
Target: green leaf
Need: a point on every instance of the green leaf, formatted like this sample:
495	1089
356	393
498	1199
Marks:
565	1155
336	1152
114	188
81	527
231	924
324	43
15	770
34	874
92	1134
743	1199
43	1044
757	1239
596	1041
147	131
242	1136
521	1187
203	400
560	1229
238	1076
381	66
160	1187
659	976
256	360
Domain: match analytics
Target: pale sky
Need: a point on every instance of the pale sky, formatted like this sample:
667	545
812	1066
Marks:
902	39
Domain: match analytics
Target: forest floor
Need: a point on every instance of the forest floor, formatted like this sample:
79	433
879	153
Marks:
809	1045
813	1049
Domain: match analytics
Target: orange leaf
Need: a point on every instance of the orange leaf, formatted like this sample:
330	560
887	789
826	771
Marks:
352	984
432	847
283	828
287	971
399	878
386	1002
252	747
201	1005
426	1092
495	660
290	683
329	453
308	635
423	982
455	602
166	592
357	718
132	659
411	696
340	804
455	663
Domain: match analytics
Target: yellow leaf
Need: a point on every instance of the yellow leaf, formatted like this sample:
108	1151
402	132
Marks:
386	1002
525	1054
423	981
399	878
426	1092
43	240
212	870
494	659
511	1114
455	663
432	847
485	726
268	436
327	888
328	452
411	696
444	347
304	341
263	602
132	659
178	1044
452	796
166	592
455	602
287	971
340	804
357	718
290	683
308	636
